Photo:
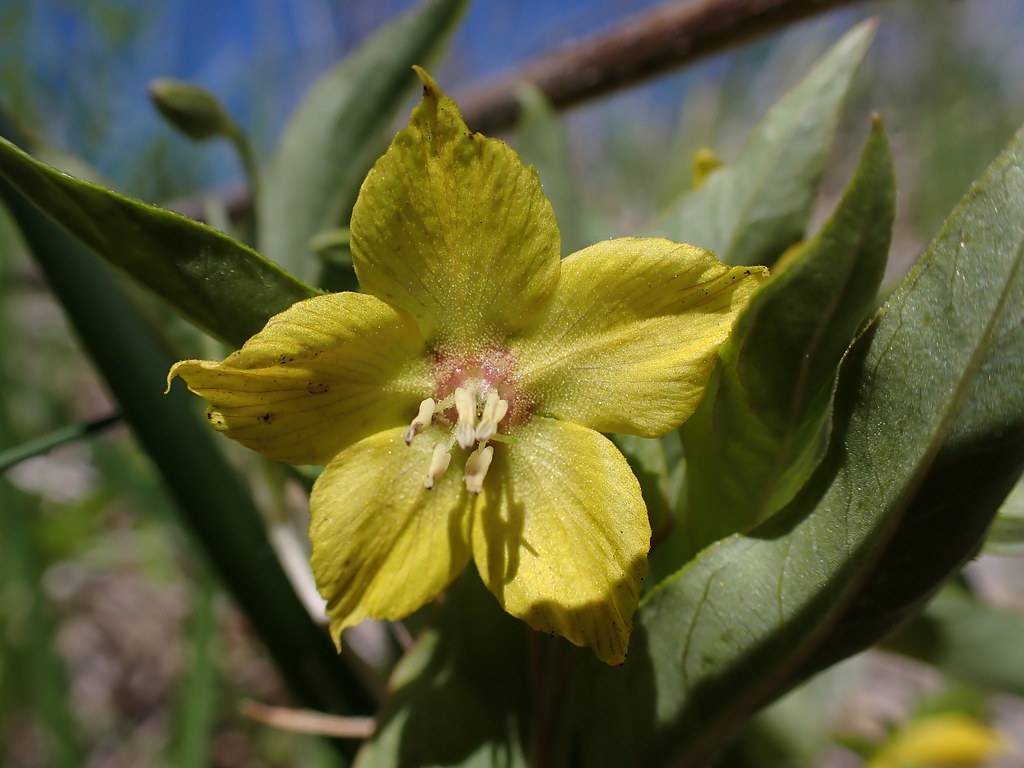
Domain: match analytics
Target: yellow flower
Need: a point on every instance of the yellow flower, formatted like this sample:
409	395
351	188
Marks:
945	739
458	402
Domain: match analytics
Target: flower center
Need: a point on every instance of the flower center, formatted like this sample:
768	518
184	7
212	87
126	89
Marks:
475	400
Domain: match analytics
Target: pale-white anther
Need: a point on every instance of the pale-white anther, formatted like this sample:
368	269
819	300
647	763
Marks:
421	421
465	428
439	462
477	464
494	411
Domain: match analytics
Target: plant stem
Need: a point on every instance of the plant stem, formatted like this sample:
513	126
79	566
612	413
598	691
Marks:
44	443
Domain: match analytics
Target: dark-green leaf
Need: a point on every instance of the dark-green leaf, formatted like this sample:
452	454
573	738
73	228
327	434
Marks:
763	427
750	211
216	282
458	694
337	132
928	440
977	643
215	506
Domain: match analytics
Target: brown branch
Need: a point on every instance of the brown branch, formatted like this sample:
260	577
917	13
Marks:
667	37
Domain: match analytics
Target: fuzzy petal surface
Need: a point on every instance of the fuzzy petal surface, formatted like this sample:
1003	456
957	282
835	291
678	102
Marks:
326	372
383	545
453	228
560	535
629	339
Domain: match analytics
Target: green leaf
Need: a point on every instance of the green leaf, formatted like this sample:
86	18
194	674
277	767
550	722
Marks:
749	212
35	679
459	691
215	506
976	643
763	425
196	714
928	439
338	131
219	284
542	141
1006	536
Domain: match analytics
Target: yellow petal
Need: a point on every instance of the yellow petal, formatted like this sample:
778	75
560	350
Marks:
383	545
945	739
322	374
630	336
453	228
560	535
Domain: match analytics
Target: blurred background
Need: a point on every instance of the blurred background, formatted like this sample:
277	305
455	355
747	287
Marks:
116	647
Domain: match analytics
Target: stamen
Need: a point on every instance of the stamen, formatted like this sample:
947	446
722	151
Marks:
477	464
421	421
494	411
439	462
465	429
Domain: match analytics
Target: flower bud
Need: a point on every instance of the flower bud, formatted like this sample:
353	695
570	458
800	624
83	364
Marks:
194	111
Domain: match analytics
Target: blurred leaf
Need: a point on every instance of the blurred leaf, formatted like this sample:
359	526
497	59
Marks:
542	141
458	692
337	132
749	212
797	730
35	678
332	248
214	504
1006	536
974	642
763	424
219	284
928	440
196	714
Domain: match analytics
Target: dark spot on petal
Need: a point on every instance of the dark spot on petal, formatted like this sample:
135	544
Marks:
285	359
746	272
266	418
317	387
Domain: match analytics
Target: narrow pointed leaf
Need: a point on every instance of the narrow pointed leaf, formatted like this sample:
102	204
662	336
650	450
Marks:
215	506
338	130
763	428
928	440
542	141
219	284
749	212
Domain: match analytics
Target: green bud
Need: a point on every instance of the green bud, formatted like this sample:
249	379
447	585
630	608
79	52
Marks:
194	111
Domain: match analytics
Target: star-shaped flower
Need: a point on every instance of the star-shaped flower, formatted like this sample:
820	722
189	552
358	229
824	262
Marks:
458	402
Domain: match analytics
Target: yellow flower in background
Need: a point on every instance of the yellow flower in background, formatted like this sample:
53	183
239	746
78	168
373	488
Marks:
458	402
946	739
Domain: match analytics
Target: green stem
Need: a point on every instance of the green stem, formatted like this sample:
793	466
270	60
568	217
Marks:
243	147
44	443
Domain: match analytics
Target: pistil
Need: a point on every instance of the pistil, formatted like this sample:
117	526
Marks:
465	428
